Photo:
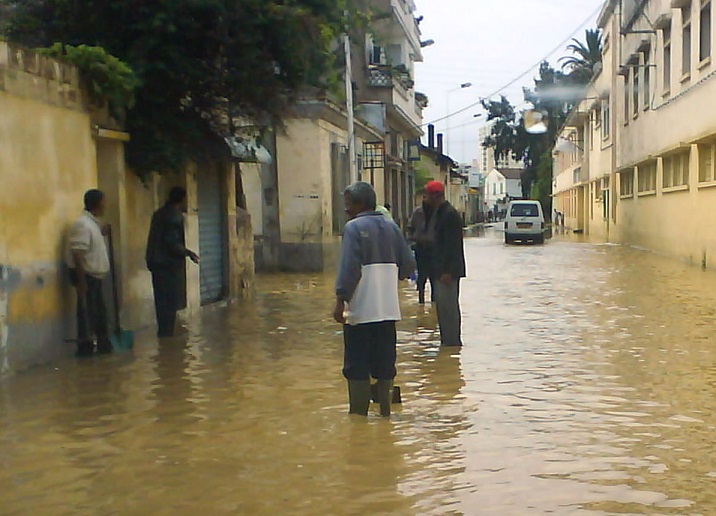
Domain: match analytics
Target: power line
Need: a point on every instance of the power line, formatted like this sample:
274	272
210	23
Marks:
521	76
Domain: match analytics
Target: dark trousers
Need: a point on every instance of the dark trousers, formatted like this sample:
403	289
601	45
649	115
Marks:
448	308
370	351
91	313
423	259
166	283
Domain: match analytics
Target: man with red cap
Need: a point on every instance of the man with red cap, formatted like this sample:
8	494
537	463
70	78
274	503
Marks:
448	264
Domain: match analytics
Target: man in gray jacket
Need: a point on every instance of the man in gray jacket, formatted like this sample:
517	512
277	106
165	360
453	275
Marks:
374	257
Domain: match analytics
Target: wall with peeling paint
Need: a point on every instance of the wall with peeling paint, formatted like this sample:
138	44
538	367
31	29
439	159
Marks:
47	161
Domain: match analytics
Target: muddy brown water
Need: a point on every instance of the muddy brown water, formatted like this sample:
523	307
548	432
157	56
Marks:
587	386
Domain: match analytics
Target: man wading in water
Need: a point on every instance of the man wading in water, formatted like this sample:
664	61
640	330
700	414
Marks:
166	259
374	257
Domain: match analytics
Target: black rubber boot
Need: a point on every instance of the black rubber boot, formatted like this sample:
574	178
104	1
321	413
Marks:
385	396
359	396
85	349
421	297
104	346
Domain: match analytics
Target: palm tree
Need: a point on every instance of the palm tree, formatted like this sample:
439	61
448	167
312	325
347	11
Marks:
586	57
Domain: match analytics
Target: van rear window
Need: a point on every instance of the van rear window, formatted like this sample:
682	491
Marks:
524	210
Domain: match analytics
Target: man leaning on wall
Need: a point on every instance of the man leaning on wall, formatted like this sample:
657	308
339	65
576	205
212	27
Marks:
88	263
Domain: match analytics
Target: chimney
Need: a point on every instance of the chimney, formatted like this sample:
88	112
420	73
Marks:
431	136
440	143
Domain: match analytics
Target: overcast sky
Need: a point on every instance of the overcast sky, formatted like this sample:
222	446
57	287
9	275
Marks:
489	43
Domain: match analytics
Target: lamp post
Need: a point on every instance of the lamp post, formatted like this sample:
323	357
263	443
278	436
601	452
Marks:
463	86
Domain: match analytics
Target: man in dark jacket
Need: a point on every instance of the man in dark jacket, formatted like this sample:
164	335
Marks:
448	264
166	259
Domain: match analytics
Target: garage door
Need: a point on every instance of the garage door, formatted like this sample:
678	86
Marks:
212	247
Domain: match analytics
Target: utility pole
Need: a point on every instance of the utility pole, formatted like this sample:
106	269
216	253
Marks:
353	166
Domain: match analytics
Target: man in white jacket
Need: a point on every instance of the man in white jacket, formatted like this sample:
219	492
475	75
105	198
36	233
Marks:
374	257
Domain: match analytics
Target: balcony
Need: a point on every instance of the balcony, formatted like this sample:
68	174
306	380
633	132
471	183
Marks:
385	76
394	88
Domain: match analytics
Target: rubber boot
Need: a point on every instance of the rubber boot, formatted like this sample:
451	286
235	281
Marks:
385	395
104	346
421	297
359	396
85	349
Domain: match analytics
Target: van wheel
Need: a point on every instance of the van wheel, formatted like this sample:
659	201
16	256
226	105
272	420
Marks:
509	240
539	240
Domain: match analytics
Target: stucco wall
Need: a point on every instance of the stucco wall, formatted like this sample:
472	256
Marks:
47	161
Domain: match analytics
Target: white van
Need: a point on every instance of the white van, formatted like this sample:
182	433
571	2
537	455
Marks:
524	222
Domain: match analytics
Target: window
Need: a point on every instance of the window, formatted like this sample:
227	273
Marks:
705	31
686	42
676	170
494	188
647	178
606	119
707	158
626	183
502	188
667	60
635	93
647	80
378	55
525	210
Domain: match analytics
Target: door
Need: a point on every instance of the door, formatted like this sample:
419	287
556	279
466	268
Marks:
212	237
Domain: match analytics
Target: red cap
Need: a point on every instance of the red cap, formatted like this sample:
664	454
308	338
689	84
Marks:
434	188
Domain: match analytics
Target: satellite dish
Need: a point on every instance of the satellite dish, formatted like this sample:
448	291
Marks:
536	122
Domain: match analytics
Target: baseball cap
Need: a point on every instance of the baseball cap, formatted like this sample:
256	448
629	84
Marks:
434	188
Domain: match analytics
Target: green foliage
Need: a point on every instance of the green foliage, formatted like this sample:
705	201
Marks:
555	93
586	57
542	186
422	177
107	77
203	66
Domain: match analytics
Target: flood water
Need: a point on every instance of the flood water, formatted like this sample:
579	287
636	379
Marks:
586	386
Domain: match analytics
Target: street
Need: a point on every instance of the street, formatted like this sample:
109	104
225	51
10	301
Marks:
586	386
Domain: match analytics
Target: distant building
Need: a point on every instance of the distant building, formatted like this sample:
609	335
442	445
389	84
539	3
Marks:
502	186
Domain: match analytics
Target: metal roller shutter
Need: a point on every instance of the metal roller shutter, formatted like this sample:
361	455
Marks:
212	247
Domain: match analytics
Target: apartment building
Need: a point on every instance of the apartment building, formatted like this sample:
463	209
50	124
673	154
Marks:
298	195
635	162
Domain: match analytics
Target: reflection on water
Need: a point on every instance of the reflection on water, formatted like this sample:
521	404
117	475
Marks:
586	386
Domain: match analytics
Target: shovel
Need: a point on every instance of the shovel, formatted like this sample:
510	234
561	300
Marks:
122	340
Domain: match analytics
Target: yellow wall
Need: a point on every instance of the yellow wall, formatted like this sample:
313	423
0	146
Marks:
47	161
304	165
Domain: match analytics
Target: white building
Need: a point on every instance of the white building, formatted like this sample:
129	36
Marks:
501	186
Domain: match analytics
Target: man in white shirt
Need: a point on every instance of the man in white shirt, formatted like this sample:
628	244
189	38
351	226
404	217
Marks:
88	261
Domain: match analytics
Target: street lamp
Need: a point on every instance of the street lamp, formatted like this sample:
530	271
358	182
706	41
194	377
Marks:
463	86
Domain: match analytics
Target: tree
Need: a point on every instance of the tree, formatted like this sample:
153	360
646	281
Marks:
201	64
586	57
554	95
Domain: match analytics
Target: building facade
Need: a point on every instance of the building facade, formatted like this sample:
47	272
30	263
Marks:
635	163
298	197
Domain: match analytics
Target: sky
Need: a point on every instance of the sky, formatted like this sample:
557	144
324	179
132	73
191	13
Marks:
489	43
